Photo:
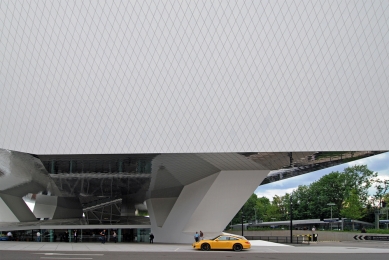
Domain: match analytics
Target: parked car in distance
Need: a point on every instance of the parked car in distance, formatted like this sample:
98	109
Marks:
4	238
223	241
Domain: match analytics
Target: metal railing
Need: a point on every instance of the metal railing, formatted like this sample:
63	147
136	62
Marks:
297	239
277	239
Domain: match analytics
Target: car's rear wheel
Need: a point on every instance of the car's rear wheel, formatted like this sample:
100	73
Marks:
205	247
237	247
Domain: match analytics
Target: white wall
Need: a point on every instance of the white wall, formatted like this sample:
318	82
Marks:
194	76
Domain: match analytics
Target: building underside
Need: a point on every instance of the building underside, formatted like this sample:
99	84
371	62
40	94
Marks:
182	193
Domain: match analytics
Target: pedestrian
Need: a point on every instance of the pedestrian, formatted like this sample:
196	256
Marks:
102	234
75	236
38	236
66	236
201	235
114	235
196	237
313	229
9	235
151	238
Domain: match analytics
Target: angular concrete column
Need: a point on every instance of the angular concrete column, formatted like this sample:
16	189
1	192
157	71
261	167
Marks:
54	207
207	204
14	209
21	174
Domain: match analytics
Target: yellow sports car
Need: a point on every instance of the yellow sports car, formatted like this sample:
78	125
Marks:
224	241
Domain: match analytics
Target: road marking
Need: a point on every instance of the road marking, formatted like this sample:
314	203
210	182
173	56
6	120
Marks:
54	254
43	257
177	249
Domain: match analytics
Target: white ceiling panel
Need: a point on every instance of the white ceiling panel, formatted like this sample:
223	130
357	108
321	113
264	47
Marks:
193	76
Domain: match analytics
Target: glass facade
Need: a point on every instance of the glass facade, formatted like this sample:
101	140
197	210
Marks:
119	163
128	235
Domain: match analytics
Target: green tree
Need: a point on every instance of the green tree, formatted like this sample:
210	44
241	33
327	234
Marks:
381	195
386	199
275	210
301	201
376	200
347	189
360	178
311	201
247	209
336	187
352	206
262	207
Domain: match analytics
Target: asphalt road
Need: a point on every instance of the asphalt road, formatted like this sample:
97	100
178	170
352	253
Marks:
26	255
263	250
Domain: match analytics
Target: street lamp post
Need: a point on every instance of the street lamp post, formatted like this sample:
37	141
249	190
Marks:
331	204
242	216
291	219
273	226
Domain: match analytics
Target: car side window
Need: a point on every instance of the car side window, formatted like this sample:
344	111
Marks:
233	238
223	238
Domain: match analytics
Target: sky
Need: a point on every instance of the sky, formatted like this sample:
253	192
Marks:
378	163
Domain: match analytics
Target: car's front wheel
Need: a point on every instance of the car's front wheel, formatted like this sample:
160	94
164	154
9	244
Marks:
205	247
237	247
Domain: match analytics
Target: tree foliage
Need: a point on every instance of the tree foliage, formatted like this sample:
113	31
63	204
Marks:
348	190
352	207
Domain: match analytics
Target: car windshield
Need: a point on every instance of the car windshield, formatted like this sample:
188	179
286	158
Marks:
221	237
234	235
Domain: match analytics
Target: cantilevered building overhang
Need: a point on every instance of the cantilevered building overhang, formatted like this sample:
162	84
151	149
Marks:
182	104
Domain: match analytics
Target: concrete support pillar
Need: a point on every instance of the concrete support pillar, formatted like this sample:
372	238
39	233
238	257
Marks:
51	235
137	237
52	171
53	207
120	166
14	209
21	174
119	235
208	204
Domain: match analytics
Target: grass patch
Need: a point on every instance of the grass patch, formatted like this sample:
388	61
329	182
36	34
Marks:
378	231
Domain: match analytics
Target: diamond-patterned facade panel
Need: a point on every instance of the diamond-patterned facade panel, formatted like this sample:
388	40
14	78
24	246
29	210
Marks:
174	76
